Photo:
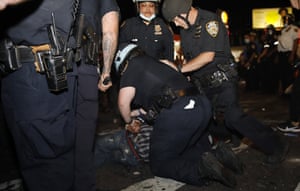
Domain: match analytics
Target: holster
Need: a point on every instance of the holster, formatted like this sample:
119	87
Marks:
11	56
54	66
91	48
225	72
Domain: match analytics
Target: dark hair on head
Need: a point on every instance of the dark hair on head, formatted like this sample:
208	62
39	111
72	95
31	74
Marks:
282	9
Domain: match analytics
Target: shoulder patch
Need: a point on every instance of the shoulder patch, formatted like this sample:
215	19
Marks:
212	27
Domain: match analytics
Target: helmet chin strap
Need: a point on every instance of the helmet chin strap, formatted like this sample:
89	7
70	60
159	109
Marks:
148	19
186	19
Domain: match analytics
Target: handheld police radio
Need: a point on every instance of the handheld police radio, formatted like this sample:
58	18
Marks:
54	62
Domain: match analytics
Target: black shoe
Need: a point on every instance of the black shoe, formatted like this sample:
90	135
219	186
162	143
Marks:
279	155
228	158
211	168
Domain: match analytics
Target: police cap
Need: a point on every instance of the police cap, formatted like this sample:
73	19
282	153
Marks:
172	8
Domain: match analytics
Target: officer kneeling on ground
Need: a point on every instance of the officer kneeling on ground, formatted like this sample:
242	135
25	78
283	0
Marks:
179	147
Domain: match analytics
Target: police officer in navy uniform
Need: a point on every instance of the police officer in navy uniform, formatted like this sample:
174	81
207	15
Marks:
206	48
267	61
149	31
99	33
179	146
40	94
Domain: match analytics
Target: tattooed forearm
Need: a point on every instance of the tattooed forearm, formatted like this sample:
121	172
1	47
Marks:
110	27
109	48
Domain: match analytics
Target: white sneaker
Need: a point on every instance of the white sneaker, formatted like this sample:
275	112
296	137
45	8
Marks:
288	127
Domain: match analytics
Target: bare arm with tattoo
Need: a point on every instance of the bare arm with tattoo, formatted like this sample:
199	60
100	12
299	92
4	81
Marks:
110	30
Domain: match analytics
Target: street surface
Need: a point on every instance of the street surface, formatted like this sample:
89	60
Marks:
270	109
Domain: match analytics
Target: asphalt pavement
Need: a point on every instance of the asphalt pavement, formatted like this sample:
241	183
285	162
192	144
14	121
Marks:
270	109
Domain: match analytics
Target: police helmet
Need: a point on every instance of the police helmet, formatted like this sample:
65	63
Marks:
123	53
137	1
172	8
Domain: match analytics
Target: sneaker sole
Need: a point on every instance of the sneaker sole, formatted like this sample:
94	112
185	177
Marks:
292	130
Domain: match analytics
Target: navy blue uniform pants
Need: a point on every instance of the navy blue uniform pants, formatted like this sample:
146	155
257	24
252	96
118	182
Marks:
43	130
179	138
86	123
225	98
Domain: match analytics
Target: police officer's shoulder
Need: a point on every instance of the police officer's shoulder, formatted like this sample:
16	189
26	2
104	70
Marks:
211	21
162	22
130	21
158	19
207	15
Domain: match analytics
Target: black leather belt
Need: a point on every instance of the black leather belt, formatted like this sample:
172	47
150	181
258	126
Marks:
191	91
22	53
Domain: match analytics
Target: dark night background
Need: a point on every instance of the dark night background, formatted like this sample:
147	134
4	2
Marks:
239	11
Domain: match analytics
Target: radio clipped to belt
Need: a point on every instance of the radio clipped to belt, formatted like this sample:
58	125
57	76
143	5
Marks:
54	60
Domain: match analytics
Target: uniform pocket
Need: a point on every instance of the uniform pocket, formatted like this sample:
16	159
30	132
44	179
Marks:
49	138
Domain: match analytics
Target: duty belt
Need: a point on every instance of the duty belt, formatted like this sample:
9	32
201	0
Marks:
24	54
46	60
211	80
166	100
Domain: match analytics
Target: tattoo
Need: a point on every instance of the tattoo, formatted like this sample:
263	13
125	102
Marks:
109	49
110	29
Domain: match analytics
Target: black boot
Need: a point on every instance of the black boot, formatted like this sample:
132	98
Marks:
211	168
279	154
228	158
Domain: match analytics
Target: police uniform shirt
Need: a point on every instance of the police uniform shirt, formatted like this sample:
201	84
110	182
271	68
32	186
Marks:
94	10
28	22
156	39
149	76
270	44
208	33
249	50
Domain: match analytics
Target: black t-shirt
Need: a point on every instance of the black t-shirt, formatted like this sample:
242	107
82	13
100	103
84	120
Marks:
149	77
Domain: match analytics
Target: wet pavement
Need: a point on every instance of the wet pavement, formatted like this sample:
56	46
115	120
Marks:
269	108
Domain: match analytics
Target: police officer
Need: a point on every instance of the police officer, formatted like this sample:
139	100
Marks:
206	48
99	33
267	61
39	92
149	31
248	62
179	147
287	53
